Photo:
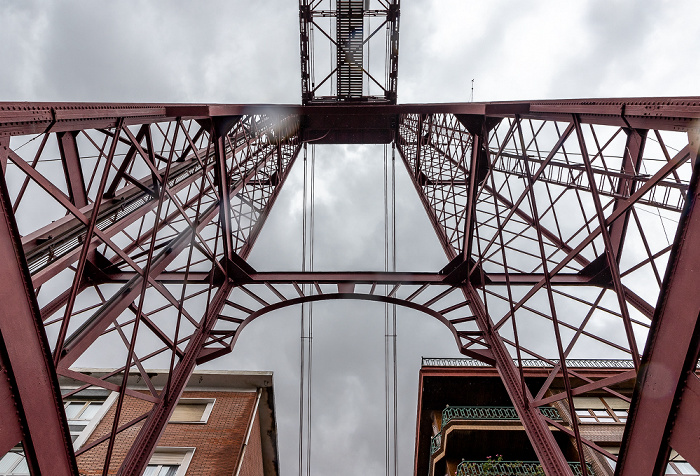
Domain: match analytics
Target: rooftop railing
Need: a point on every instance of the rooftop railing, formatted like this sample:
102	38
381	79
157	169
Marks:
508	468
533	363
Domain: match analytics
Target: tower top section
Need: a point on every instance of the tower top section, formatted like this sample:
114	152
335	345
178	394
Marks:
349	51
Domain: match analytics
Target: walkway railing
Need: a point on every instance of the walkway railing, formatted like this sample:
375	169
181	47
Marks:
483	413
508	468
491	413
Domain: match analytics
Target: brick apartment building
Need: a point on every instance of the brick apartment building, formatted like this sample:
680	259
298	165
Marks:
466	419
224	424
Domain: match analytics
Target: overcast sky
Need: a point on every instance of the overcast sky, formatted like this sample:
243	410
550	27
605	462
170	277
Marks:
239	51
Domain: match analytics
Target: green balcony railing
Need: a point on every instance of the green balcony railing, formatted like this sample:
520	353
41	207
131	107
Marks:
435	443
490	413
509	468
483	413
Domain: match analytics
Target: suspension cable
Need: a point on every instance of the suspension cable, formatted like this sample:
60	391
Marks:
302	346
387	423
390	351
393	326
306	337
311	309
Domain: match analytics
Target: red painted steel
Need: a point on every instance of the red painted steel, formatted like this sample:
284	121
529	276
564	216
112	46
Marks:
137	458
670	359
344	34
631	162
70	158
528	200
548	452
29	376
684	436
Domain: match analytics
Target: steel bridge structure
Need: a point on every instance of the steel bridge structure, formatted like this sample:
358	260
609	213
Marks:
568	226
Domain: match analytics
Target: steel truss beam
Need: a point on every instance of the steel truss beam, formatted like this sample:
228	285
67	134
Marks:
340	25
32	409
435	150
179	188
527	199
545	446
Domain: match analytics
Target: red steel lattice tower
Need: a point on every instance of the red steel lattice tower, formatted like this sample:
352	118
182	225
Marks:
134	221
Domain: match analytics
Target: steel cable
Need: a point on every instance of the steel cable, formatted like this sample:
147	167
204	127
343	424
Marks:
302	347
390	353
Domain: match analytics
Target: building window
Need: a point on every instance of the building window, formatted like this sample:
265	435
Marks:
677	465
169	462
79	413
680	467
596	415
601	409
192	410
614	450
161	469
14	463
83	415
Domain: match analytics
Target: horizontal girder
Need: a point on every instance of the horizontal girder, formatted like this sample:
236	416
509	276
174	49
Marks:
676	114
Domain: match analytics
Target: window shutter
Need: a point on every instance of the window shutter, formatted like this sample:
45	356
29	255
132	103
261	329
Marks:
189	412
167	458
616	403
588	402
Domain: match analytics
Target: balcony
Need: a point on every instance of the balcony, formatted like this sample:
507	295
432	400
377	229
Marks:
483	413
508	468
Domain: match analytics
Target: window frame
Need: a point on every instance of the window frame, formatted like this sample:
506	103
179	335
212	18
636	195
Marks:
94	421
614	450
19	451
673	460
187	453
604	406
196	401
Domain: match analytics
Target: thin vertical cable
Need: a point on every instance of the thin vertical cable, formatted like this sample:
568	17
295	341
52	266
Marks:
301	337
387	423
311	313
393	327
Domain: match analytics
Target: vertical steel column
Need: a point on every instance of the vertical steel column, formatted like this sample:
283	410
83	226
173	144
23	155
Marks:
220	126
631	161
669	360
4	152
70	158
26	361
